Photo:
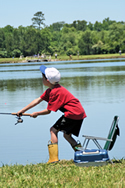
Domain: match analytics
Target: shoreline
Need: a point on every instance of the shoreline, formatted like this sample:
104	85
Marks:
61	58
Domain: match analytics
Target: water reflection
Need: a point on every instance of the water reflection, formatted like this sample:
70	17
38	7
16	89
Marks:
20	84
108	84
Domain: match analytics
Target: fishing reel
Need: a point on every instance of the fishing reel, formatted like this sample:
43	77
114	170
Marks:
19	120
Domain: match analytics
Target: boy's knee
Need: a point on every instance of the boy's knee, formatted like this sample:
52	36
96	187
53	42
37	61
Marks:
53	130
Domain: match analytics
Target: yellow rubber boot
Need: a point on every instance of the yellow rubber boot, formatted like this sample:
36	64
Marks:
53	152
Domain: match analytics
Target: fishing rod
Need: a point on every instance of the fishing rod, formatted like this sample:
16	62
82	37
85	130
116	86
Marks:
19	119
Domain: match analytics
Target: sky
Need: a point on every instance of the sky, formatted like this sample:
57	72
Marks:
20	12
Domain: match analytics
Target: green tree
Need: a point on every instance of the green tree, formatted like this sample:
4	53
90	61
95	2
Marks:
55	42
90	26
85	43
16	39
8	29
116	31
98	47
8	42
3	53
105	37
22	36
82	25
98	26
122	44
2	38
68	40
38	20
46	38
69	52
30	39
16	53
57	26
79	25
106	23
115	37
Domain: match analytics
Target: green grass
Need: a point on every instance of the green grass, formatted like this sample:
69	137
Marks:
86	57
11	60
64	57
63	174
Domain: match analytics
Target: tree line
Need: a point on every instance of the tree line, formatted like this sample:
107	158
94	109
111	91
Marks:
80	37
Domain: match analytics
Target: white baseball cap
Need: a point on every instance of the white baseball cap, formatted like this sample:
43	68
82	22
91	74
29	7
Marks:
52	74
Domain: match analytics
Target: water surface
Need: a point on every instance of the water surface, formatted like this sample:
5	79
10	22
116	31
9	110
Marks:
99	85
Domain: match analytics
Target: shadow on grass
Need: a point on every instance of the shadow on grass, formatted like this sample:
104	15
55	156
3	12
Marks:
118	161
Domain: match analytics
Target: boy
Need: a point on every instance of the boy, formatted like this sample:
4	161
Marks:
58	98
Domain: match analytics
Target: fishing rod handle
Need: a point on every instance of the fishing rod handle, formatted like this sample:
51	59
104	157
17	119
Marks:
22	114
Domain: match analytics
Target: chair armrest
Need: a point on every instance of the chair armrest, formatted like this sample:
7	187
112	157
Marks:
96	138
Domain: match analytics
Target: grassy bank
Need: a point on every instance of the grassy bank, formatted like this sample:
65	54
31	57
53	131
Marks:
63	174
63	58
87	57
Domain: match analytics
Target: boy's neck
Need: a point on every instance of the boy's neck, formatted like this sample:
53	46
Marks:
54	86
51	86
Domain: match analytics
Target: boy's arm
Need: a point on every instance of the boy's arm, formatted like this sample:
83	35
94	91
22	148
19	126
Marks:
43	112
30	105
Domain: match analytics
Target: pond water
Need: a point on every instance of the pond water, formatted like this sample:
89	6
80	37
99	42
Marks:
98	84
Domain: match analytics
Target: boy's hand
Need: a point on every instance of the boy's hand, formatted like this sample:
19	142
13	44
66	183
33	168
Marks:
19	113
34	115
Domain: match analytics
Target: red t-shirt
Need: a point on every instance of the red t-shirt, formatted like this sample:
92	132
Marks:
59	98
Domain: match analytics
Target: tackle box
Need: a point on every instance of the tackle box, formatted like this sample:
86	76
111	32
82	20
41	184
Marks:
91	157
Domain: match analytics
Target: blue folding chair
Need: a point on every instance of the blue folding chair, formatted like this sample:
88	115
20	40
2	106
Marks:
110	140
99	156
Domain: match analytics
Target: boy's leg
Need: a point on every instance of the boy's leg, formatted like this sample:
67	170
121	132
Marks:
53	146
72	142
54	135
70	139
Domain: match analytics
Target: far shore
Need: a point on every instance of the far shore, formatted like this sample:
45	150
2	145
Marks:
60	58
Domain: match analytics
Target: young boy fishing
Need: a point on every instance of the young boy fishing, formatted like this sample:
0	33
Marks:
58	98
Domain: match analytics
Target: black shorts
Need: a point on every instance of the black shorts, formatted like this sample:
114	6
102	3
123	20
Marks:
68	126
